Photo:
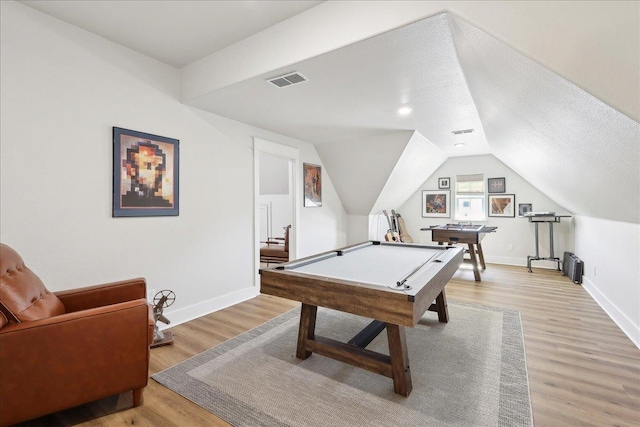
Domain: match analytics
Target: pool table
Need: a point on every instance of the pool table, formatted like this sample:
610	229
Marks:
393	283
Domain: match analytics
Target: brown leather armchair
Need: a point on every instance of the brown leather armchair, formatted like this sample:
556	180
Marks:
60	350
276	251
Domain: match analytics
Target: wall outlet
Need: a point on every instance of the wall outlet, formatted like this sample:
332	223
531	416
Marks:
594	271
150	294
510	247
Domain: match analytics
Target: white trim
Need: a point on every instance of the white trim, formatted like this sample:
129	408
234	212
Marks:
203	308
293	154
624	323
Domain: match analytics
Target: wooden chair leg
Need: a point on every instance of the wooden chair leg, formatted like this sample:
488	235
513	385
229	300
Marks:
137	397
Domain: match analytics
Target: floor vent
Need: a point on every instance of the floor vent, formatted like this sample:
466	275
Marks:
288	79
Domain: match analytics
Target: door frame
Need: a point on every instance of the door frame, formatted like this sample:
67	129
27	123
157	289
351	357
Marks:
293	155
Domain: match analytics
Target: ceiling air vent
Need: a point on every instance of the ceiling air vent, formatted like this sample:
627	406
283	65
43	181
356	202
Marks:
288	79
460	132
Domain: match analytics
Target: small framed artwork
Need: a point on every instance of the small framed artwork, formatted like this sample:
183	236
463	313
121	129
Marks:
312	185
524	208
502	205
444	183
496	185
145	174
436	204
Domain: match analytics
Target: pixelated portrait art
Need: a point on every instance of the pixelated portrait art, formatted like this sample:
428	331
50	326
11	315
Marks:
312	185
145	174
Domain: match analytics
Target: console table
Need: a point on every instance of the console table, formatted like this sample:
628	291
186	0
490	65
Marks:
544	217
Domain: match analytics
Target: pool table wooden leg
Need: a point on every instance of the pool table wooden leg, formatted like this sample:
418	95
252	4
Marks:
441	307
306	330
400	372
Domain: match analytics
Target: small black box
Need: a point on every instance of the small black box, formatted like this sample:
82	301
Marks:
573	267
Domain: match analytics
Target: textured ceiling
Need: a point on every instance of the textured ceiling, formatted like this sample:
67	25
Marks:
544	117
455	76
355	92
579	151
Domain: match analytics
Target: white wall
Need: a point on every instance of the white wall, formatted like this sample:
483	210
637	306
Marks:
62	91
281	212
610	251
511	231
275	193
357	229
274	174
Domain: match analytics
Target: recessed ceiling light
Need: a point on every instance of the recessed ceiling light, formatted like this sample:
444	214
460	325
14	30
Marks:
405	110
459	144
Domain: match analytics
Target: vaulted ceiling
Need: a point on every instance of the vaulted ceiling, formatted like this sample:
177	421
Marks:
550	89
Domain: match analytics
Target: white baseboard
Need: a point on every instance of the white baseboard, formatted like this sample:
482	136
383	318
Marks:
205	307
624	323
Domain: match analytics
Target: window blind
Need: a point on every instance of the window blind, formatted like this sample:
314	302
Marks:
470	184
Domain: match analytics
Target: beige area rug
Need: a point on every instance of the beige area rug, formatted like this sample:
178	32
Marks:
468	372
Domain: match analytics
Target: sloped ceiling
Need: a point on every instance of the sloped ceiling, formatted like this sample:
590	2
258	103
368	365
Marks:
551	88
579	151
564	141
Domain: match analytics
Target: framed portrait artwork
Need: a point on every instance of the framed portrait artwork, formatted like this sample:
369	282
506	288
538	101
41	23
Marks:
524	208
444	183
436	204
503	205
312	185
145	174
496	185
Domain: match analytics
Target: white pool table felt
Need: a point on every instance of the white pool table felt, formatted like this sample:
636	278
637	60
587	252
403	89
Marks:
381	265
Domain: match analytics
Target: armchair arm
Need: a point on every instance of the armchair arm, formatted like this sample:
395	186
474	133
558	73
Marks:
89	354
101	295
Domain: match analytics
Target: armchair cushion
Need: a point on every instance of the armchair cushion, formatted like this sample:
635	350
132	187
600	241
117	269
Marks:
65	349
23	296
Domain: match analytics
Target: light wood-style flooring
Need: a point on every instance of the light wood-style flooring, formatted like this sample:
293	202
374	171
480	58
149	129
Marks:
583	371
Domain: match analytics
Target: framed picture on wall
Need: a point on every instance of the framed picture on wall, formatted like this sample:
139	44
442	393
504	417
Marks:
312	185
496	185
503	205
444	183
524	208
436	204
145	174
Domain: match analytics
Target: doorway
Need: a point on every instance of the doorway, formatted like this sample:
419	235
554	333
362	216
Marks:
275	193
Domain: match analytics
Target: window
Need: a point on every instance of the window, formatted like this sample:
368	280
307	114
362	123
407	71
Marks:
470	198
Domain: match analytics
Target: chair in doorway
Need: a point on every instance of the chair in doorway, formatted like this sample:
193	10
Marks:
276	250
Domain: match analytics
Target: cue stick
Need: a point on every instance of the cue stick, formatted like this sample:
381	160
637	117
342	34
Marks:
402	282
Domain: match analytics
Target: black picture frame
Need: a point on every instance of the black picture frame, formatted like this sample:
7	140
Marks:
444	183
152	189
524	208
496	185
502	205
436	204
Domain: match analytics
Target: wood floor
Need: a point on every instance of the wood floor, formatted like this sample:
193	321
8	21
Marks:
583	371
